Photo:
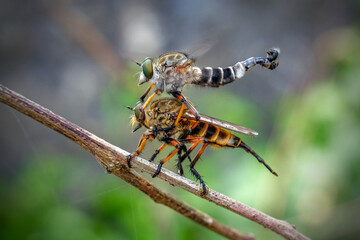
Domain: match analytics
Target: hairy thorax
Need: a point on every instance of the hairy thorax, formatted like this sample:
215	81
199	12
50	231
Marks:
176	70
162	114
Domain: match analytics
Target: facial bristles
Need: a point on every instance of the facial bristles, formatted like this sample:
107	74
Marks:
133	121
139	64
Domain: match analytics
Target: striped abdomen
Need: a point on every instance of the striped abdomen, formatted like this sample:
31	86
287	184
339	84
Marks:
215	77
215	135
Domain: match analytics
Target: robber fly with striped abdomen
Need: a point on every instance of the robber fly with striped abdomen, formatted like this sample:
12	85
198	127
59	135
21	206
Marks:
162	121
174	70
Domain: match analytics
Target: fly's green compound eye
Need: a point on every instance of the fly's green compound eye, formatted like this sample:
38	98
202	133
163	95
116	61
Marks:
147	68
138	112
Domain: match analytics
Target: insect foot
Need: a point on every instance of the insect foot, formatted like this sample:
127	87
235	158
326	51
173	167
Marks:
128	160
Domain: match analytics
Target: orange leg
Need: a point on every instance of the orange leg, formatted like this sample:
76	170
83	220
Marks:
157	151
146	92
164	161
173	143
192	147
194	126
189	151
179	114
192	109
193	170
191	139
140	147
182	158
181	147
148	101
196	141
197	157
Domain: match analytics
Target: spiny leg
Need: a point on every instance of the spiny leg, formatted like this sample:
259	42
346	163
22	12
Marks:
270	62
252	152
140	147
174	143
193	170
183	157
179	166
192	109
187	153
196	141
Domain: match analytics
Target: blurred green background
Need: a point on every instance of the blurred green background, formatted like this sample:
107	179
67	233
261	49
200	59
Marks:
74	58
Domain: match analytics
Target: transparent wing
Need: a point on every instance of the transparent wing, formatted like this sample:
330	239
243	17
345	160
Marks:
224	124
205	43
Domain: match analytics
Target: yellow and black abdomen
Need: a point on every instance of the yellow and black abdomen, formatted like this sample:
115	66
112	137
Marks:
215	135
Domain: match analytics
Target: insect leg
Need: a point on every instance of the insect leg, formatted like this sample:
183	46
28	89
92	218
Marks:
157	151
140	147
252	152
189	151
191	139
179	114
182	158
174	143
146	92
192	109
193	170
148	101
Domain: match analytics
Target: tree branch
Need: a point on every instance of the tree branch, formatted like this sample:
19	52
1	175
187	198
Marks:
114	160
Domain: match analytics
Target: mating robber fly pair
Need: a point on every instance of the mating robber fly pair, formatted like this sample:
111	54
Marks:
175	121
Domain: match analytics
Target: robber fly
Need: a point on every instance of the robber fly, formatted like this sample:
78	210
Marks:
162	122
174	70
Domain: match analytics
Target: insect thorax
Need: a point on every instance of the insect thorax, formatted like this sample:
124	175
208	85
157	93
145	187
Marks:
173	59
162	113
176	70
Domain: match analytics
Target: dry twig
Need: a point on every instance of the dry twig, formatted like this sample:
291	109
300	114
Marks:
114	160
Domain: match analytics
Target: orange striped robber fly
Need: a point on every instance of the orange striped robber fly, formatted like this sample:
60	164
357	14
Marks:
174	70
171	122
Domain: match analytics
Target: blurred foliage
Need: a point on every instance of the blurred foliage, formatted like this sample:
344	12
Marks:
314	147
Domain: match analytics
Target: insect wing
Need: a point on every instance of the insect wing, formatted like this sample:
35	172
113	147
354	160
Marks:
225	124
